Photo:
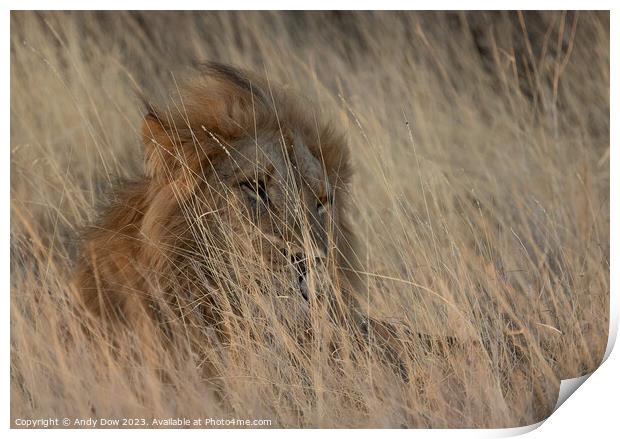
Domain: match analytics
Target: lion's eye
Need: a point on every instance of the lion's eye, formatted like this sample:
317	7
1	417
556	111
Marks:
323	203
256	190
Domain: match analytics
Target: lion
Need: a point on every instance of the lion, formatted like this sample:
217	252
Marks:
242	209
244	203
234	166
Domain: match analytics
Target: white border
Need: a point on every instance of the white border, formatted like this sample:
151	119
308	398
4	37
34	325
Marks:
594	411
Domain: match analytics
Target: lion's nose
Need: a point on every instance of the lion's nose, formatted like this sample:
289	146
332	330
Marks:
300	262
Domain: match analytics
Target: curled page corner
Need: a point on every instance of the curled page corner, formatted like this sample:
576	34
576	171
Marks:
570	385
518	431
567	388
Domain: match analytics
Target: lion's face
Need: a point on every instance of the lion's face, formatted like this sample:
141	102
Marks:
272	178
285	204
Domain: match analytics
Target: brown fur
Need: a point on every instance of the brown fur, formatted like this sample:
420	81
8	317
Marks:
222	127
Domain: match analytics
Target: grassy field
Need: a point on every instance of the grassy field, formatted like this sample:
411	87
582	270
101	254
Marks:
480	144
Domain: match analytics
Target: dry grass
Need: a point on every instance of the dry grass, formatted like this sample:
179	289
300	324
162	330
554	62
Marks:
481	194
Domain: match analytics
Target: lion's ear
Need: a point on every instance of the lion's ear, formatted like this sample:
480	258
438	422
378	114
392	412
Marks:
217	106
159	146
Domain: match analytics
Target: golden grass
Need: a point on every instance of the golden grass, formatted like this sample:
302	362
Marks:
481	195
